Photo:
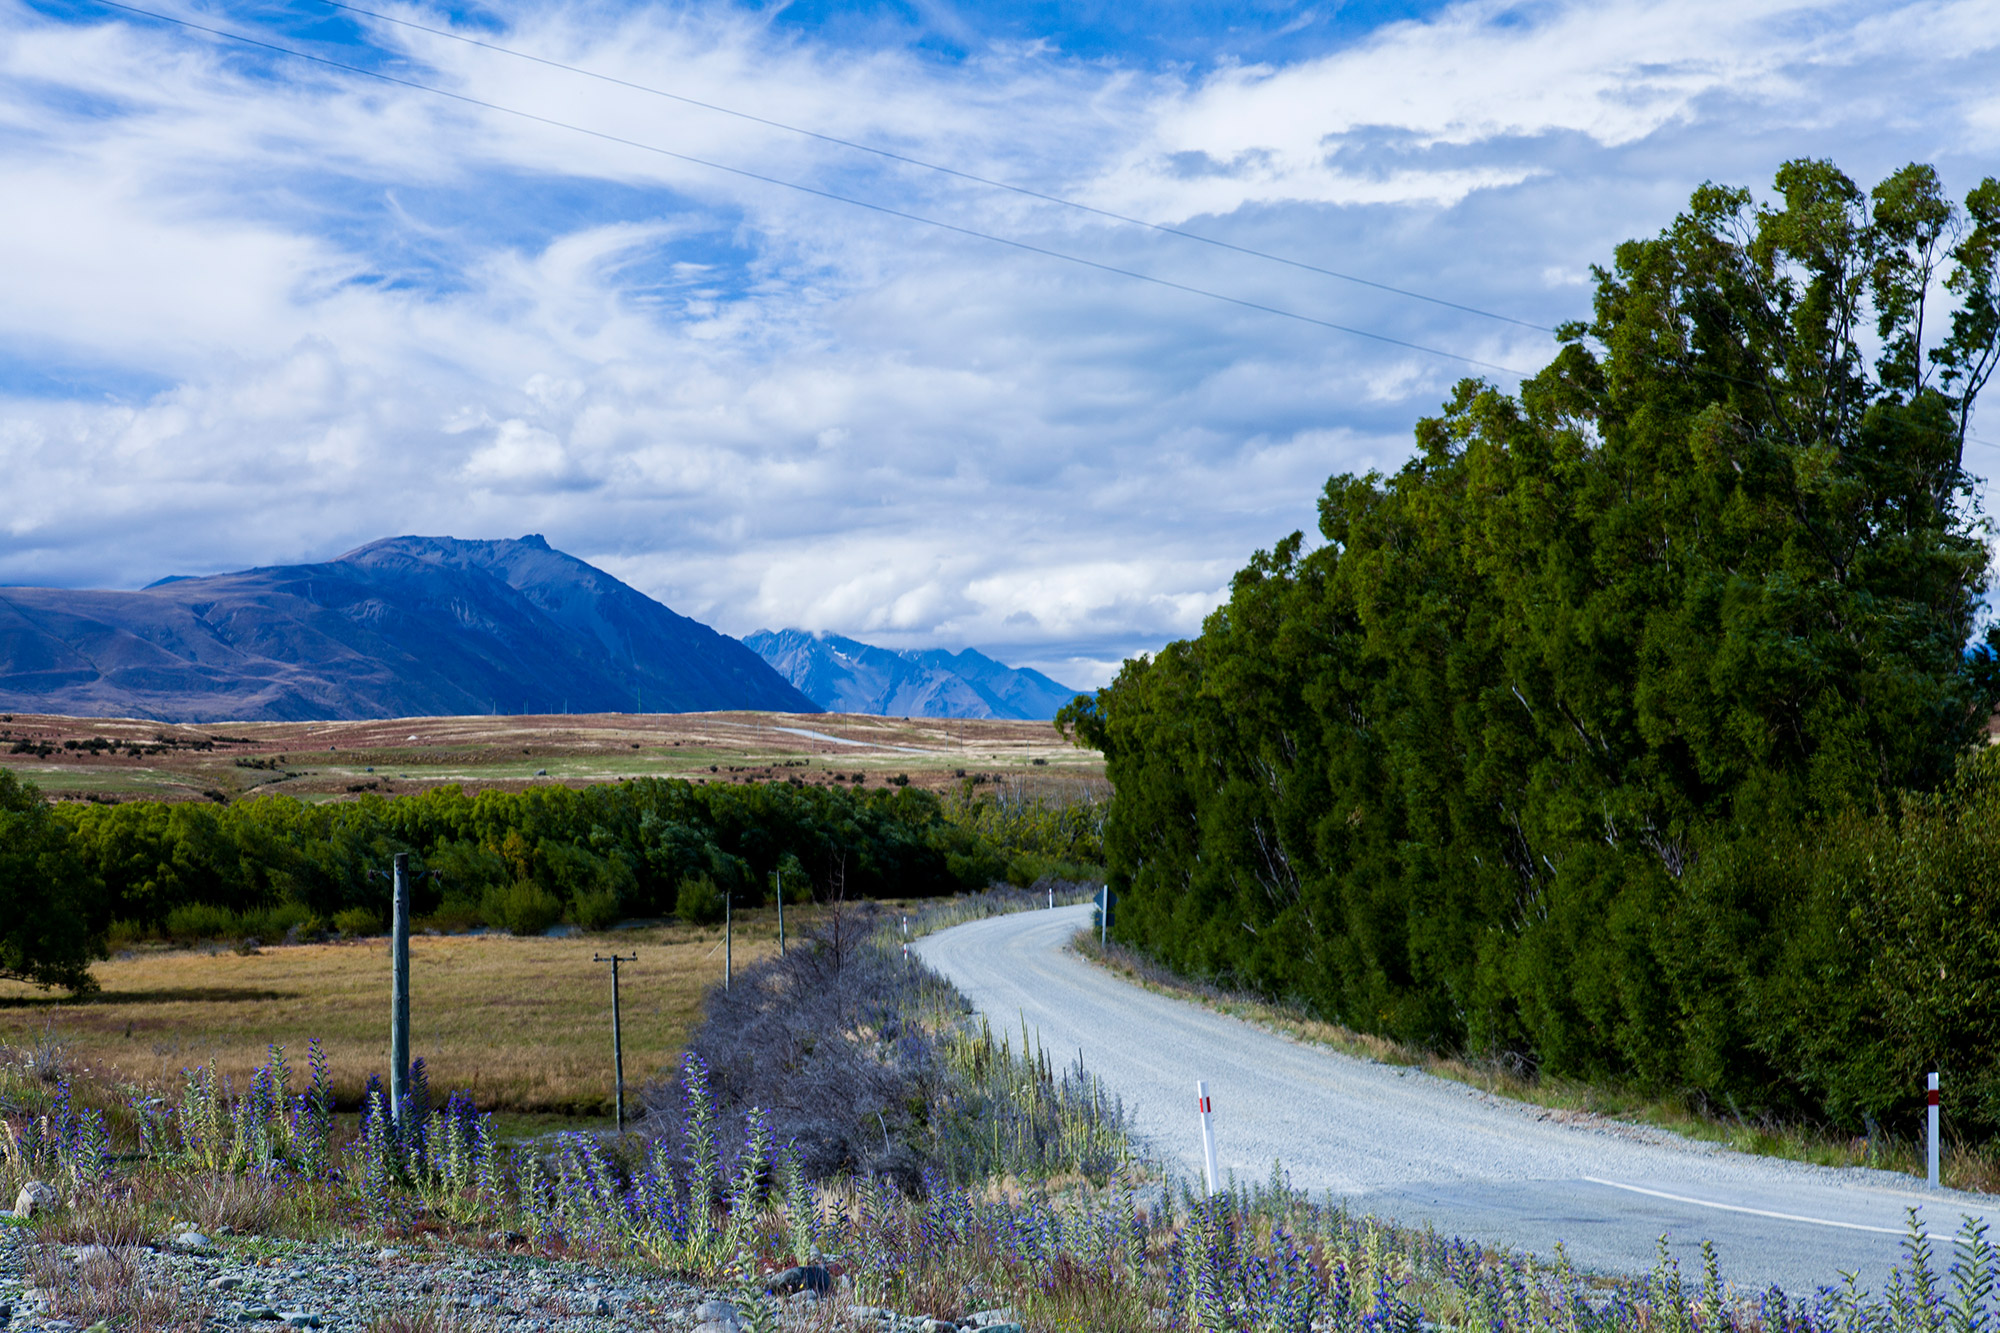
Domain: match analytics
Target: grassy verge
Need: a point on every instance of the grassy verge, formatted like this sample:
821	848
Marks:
1964	1166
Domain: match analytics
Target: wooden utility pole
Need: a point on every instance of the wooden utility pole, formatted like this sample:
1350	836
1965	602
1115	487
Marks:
617	1035
399	990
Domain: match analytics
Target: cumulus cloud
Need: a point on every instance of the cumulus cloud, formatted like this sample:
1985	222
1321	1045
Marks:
258	310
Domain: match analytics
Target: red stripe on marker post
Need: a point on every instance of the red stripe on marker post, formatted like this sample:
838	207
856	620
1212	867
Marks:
1207	1132
1931	1149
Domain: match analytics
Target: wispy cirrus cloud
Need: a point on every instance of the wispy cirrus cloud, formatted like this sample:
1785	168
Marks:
259	310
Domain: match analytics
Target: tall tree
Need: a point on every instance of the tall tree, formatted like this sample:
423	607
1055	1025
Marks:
53	913
1713	569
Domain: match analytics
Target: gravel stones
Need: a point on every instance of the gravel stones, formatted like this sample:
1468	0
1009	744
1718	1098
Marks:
37	1196
259	1284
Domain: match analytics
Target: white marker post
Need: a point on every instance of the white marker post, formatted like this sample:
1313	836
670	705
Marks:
1207	1131
1933	1153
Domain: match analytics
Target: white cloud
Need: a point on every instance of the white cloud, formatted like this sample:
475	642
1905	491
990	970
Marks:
257	312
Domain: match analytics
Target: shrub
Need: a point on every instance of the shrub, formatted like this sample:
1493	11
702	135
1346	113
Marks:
699	902
201	921
457	912
357	921
596	909
522	908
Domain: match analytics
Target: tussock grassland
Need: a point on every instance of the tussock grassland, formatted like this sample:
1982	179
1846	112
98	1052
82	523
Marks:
522	1024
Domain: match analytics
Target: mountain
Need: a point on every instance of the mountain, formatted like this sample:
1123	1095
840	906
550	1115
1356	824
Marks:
406	627
846	676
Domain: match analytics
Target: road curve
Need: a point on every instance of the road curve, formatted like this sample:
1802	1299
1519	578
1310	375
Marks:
1408	1145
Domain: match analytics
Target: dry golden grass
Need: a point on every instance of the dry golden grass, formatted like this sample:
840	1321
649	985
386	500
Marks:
521	1024
398	756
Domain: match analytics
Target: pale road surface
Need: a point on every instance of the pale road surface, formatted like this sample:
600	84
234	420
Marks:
1407	1145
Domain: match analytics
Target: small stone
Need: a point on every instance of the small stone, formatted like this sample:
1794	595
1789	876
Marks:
481	1301
807	1277
37	1196
712	1311
256	1314
191	1240
999	1328
230	1283
299	1318
388	1254
592	1305
1002	1314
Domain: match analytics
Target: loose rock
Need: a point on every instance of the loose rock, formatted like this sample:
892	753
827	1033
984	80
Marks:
37	1196
810	1277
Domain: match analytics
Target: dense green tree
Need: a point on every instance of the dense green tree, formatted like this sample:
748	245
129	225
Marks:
1706	578
52	910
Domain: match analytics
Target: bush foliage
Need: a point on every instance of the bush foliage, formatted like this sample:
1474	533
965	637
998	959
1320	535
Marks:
1581	738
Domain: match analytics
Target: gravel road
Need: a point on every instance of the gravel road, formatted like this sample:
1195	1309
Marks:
1421	1149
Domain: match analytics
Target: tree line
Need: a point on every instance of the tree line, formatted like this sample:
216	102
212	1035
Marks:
72	873
1630	729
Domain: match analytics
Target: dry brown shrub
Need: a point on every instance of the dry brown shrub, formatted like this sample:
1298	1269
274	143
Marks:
246	1204
431	1318
112	1283
115	1218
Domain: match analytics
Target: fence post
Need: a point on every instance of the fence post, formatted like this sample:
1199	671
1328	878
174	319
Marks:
778	883
1932	1154
399	989
728	938
1207	1131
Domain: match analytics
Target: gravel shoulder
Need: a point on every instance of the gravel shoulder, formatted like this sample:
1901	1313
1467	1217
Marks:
1425	1150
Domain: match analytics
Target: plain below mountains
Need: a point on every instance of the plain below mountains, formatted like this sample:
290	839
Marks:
409	626
846	676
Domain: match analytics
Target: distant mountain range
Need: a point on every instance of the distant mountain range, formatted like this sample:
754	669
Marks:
409	626
847	676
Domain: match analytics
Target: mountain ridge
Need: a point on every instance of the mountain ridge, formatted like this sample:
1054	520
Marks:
844	675
404	626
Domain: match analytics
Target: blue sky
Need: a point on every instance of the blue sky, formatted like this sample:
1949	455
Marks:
257	310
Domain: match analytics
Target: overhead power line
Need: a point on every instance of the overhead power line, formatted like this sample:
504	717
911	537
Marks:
938	167
851	200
